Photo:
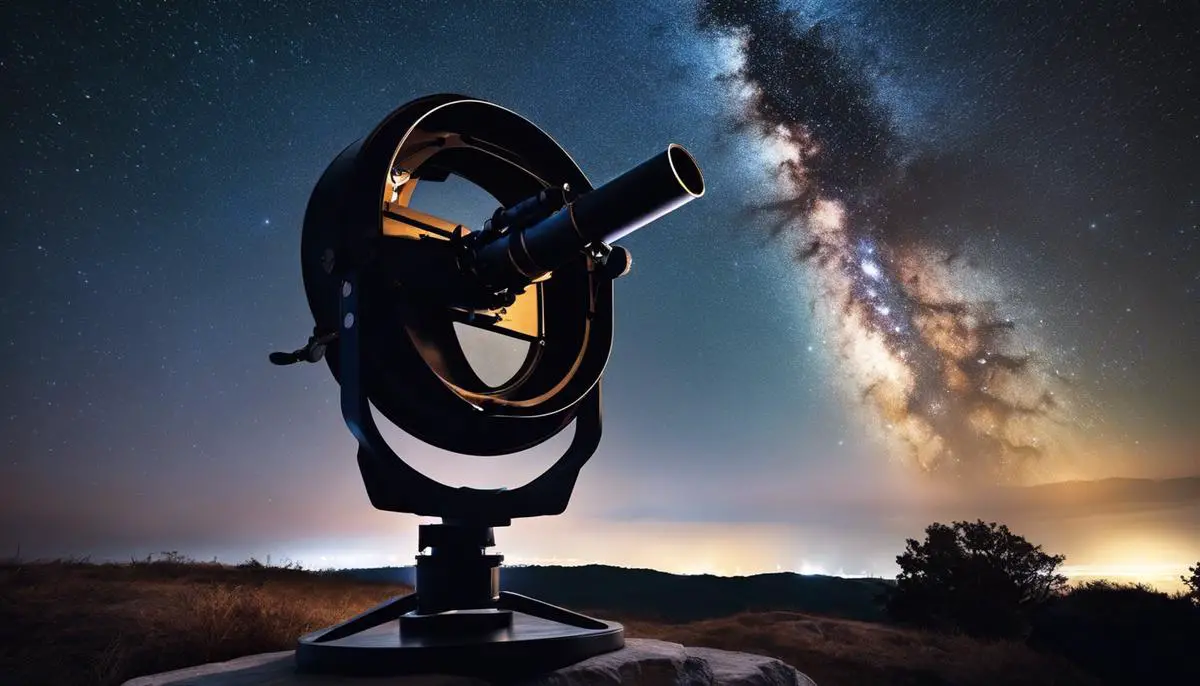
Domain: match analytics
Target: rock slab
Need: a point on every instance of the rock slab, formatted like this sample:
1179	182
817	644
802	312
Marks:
642	662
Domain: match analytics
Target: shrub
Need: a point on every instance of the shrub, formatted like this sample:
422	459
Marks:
973	577
1123	633
1192	583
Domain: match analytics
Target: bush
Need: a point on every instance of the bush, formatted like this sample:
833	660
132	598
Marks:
1123	633
1192	583
252	563
977	578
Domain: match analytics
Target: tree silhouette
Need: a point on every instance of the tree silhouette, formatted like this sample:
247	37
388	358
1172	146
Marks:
1192	583
973	577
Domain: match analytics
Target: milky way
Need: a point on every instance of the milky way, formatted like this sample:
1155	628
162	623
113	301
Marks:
924	336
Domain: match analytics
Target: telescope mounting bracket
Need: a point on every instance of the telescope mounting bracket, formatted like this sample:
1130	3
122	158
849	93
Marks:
393	485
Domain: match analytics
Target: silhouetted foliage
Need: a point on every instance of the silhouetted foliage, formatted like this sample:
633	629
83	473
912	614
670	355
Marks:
1192	582
973	577
1122	633
252	563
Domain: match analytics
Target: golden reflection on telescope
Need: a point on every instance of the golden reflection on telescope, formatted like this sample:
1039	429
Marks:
523	317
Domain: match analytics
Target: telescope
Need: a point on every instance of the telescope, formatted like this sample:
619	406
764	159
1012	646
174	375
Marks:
391	286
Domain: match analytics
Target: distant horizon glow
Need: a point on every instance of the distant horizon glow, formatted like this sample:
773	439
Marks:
1160	576
687	549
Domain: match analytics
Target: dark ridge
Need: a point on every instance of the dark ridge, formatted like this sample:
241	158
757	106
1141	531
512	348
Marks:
652	595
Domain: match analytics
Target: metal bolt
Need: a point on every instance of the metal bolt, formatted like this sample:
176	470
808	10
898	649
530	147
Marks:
347	289
348	321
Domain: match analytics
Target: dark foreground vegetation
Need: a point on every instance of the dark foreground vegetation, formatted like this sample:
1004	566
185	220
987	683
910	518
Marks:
982	580
72	622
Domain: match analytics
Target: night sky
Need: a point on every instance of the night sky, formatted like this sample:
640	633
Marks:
945	247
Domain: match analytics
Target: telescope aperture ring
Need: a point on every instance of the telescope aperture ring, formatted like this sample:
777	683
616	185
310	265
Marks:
342	226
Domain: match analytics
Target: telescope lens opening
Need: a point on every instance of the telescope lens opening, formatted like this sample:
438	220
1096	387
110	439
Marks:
495	357
686	170
455	199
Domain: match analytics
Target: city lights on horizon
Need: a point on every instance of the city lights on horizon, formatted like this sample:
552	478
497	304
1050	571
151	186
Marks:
1163	576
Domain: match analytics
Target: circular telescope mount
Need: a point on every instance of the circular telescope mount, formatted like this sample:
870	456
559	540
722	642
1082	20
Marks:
390	284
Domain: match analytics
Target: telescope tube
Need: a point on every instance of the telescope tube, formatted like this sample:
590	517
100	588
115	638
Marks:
650	190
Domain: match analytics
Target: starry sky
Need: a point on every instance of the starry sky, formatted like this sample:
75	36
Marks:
946	249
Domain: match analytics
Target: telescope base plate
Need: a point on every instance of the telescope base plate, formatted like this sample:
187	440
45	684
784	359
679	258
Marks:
519	637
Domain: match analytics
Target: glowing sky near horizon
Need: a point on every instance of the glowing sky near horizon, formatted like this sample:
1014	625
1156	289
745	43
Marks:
894	194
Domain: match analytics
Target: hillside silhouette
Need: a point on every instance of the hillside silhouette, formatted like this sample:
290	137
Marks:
664	597
1107	495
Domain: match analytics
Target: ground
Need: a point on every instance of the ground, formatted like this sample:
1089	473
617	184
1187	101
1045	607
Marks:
69	623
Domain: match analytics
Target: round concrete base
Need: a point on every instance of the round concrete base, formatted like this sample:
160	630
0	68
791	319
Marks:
641	662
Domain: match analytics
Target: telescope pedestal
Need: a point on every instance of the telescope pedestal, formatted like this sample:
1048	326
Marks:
458	622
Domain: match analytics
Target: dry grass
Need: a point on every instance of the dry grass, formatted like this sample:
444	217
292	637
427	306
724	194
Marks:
69	623
837	652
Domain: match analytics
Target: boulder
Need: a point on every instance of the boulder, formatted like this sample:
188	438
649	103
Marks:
642	662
